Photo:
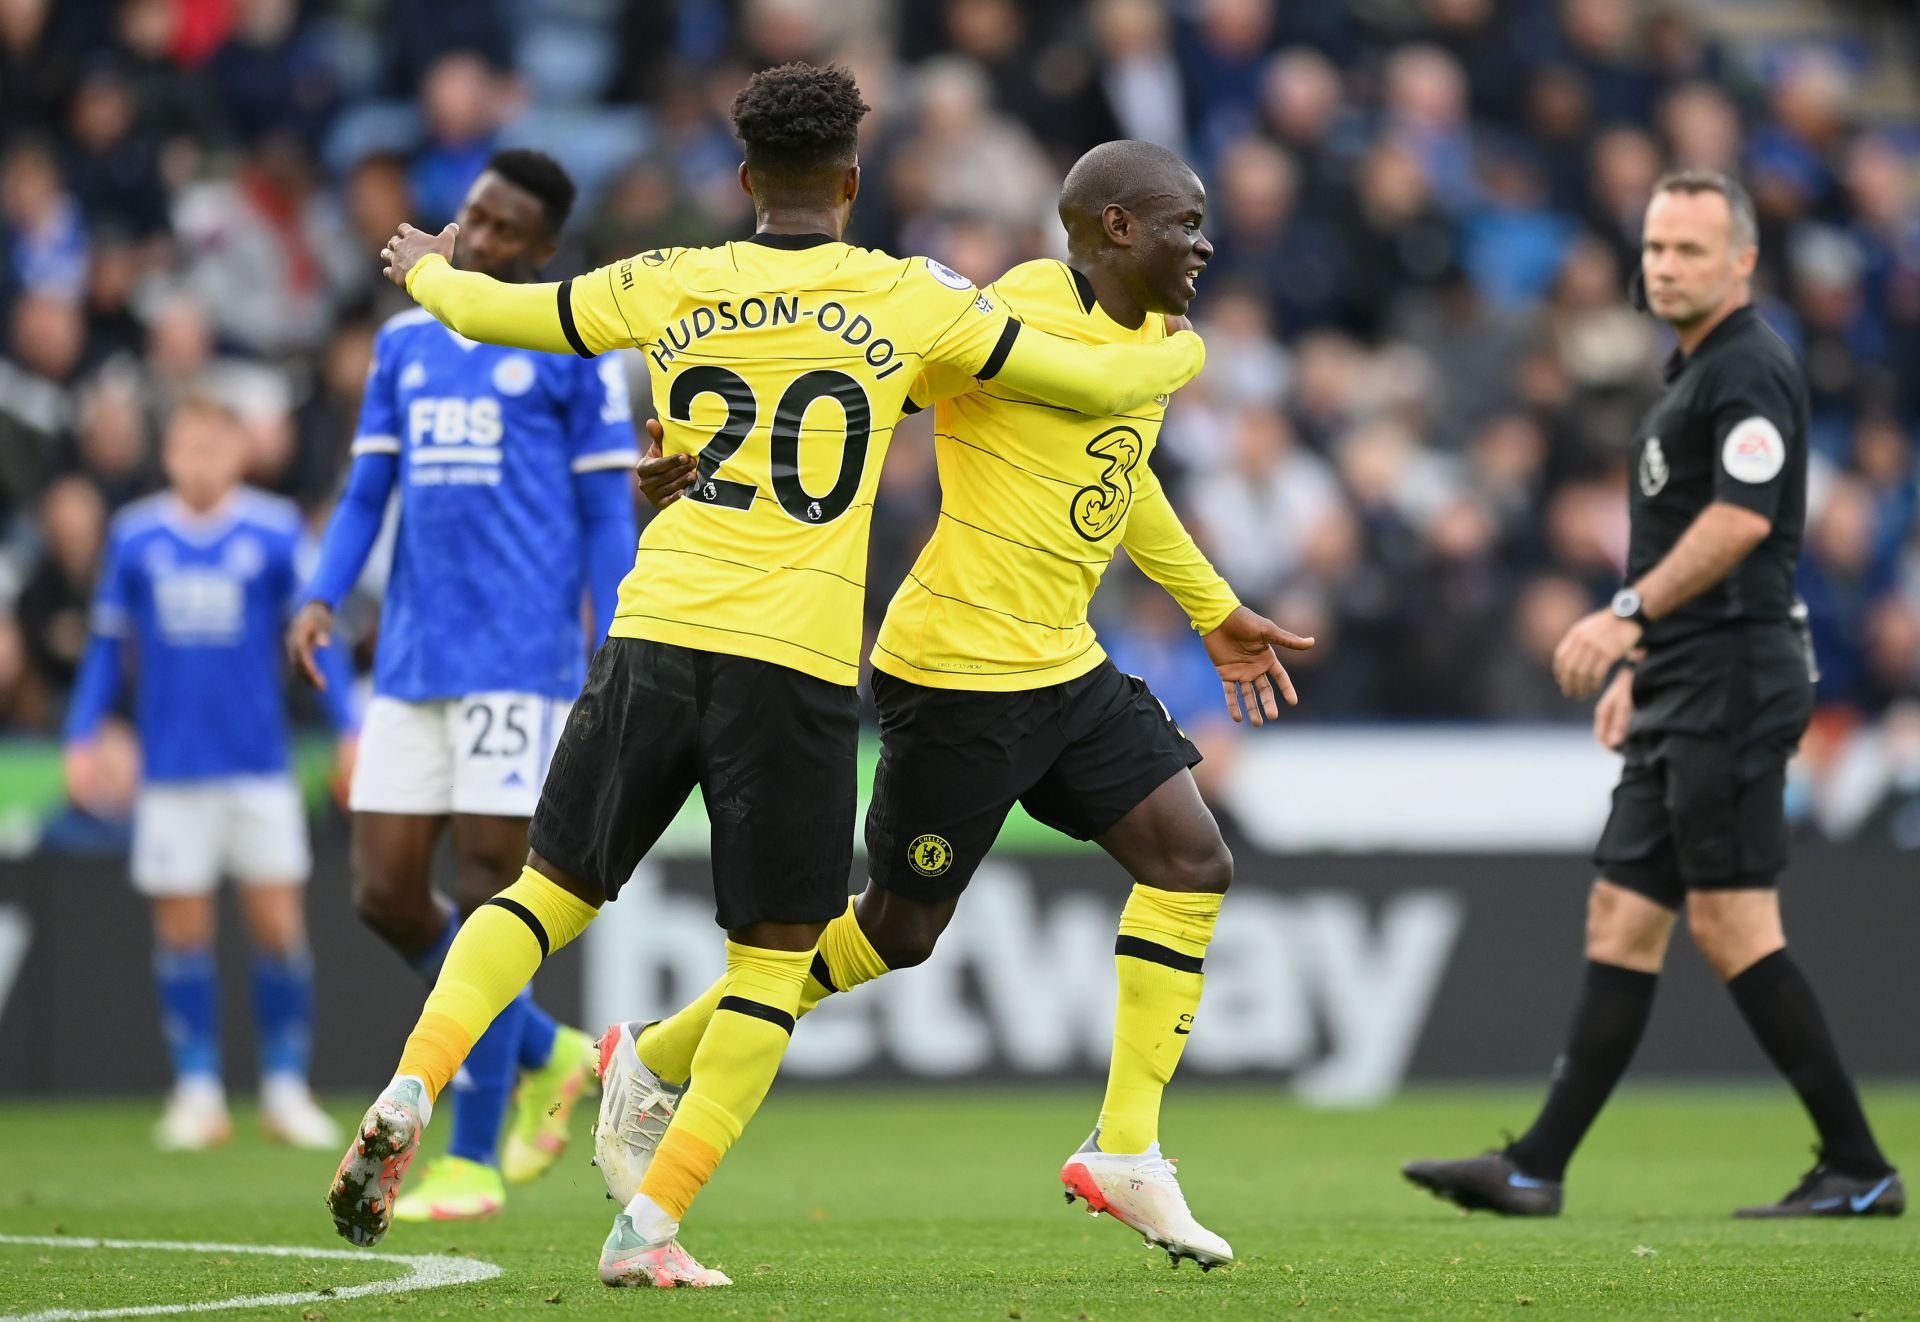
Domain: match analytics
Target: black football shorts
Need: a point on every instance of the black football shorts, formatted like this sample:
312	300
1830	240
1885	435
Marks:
773	751
1701	803
1078	756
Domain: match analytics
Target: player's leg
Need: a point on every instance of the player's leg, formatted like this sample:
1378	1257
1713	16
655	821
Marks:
1124	779
1630	917
1732	849
623	767
940	796
401	796
268	855
778	754
176	865
524	1055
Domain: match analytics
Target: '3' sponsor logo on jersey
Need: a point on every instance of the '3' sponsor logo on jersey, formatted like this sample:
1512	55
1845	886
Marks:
1101	507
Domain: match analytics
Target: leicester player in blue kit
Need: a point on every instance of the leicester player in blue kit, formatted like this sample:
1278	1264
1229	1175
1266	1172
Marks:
516	505
198	584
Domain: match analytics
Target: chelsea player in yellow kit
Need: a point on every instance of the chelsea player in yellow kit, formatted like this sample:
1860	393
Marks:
783	362
992	688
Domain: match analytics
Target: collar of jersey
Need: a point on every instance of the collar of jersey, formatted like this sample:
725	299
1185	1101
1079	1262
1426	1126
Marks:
792	241
1734	320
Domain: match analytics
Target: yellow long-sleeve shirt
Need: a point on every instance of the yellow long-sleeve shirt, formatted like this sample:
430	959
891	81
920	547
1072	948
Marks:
784	362
1034	501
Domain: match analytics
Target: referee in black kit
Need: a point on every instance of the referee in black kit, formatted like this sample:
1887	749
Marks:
1713	691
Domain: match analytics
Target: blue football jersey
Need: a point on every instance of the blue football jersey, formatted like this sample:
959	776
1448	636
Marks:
203	600
487	585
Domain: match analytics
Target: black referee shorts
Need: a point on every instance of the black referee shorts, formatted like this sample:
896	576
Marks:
774	752
1701	803
1078	756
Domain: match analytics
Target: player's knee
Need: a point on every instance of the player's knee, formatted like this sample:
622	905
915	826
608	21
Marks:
1622	930
387	909
1203	868
1729	938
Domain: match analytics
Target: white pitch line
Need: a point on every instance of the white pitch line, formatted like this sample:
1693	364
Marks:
427	1271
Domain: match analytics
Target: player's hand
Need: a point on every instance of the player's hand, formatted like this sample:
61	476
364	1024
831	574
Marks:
1614	712
311	630
410	245
1241	650
664	478
1589	650
81	763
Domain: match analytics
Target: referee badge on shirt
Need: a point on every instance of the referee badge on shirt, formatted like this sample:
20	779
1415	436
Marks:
513	375
930	855
1653	467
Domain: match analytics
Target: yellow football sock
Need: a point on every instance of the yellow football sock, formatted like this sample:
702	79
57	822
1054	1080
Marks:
667	1047
1163	937
732	1070
492	959
844	960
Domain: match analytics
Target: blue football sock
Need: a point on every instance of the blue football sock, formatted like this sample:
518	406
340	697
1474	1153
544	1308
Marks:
427	963
484	1085
283	1013
537	1031
189	984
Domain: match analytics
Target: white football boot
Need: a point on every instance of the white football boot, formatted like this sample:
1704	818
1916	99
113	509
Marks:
1140	1190
195	1119
642	1250
361	1198
635	1108
289	1115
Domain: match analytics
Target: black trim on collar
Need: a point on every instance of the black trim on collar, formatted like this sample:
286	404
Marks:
792	242
1735	320
1084	287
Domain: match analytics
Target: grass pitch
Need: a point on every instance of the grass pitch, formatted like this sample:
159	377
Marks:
921	1205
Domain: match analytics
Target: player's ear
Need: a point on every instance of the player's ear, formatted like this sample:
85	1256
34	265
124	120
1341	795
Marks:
1117	222
746	180
850	185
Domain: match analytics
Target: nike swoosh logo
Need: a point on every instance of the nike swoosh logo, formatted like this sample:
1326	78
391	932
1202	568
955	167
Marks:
1867	1199
1520	1181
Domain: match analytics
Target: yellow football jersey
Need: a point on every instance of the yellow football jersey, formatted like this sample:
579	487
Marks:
783	362
1034	501
784	368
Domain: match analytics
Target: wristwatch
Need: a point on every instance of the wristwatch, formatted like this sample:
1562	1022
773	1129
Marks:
1628	606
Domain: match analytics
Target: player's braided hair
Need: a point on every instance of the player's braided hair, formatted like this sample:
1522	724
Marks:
798	119
541	175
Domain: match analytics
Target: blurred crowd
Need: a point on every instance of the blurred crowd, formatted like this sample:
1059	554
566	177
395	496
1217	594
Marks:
1423	369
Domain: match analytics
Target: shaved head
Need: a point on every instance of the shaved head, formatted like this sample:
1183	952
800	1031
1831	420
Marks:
1132	212
1127	173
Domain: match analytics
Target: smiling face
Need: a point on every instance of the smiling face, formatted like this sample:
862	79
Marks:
1694	263
1166	252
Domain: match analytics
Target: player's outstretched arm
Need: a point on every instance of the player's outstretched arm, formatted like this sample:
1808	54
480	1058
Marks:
1099	379
470	304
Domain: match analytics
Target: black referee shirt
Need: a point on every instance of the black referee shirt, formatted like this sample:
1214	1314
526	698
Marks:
1731	426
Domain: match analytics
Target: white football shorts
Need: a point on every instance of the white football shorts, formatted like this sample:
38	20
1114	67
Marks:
485	754
189	834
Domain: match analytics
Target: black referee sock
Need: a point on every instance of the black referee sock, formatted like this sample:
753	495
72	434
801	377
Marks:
1779	1006
1615	1004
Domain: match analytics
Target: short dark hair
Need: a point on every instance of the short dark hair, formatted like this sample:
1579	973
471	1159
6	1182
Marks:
798	121
541	175
1743	223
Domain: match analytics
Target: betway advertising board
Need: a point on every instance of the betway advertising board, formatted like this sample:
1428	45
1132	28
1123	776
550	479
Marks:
1334	977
